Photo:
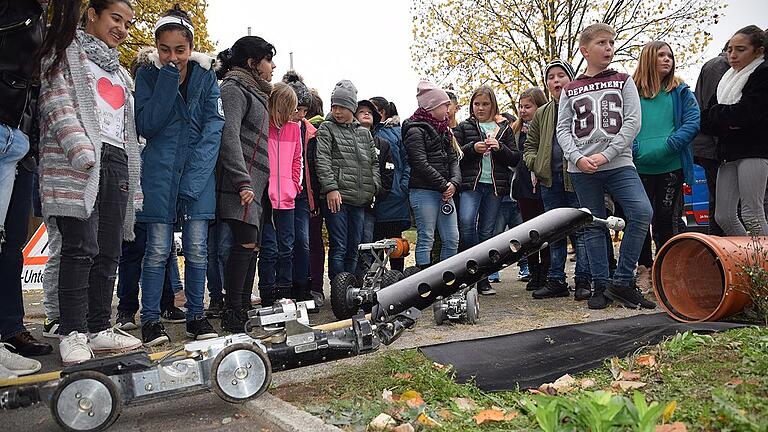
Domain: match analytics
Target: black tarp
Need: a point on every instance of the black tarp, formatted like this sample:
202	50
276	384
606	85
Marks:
531	358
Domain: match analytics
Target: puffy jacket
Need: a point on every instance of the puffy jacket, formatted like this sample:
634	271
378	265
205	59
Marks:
308	183
311	163
284	165
21	34
346	161
705	146
741	128
393	206
522	186
538	146
507	156
183	139
431	156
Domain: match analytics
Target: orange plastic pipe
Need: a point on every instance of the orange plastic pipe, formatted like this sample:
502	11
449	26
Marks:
698	277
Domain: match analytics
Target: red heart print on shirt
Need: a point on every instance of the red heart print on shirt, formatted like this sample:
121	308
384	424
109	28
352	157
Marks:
112	94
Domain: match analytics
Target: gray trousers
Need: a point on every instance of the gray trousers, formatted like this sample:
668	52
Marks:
742	181
51	272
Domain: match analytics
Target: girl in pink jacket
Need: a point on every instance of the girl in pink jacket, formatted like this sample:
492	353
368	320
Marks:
285	170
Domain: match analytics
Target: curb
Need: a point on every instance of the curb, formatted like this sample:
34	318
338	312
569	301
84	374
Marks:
286	417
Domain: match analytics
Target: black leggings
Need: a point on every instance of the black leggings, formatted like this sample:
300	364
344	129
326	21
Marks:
663	190
240	270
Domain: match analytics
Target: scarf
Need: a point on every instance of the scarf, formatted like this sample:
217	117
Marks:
441	126
258	85
732	83
98	52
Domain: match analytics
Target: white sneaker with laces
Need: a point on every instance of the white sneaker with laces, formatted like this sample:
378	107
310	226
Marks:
6	374
113	340
74	349
16	364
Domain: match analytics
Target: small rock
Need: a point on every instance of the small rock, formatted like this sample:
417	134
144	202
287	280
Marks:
405	427
587	383
226	420
382	422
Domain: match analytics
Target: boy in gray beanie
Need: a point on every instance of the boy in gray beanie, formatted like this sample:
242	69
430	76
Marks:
348	170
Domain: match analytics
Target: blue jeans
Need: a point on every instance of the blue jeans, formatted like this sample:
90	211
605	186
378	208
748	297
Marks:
557	197
426	210
624	185
129	273
301	241
219	244
194	242
13	146
11	260
369	225
345	232
477	215
276	254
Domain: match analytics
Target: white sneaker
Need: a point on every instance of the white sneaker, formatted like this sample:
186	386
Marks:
74	349
6	374
113	340
16	364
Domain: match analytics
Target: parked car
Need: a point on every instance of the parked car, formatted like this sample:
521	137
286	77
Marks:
695	215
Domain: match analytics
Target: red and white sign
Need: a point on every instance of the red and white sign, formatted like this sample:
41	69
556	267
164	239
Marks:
35	257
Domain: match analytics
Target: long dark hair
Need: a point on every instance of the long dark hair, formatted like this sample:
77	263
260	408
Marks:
247	47
63	15
176	11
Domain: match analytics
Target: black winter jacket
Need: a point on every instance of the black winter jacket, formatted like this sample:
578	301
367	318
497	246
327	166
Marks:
522	186
386	167
431	156
507	156
740	128
21	34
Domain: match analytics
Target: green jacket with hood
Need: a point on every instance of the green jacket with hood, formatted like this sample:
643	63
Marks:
538	146
346	161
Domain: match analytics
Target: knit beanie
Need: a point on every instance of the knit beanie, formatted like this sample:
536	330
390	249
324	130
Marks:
302	92
561	64
430	96
345	95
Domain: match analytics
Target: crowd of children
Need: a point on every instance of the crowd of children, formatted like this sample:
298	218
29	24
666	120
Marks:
249	171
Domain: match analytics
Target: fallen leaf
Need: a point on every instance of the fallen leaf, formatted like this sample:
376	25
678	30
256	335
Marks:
734	382
534	391
387	396
403	376
445	414
585	316
627	385
629	376
673	427
564	384
382	422
615	367
412	398
646	360
438	366
668	411
427	420
405	427
493	415
548	389
587	383
465	404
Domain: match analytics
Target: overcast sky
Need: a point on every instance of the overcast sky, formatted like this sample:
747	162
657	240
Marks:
345	39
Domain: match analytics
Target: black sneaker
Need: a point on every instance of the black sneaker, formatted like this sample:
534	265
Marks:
629	296
51	329
214	308
598	299
173	315
200	329
125	321
484	287
154	334
583	290
554	288
233	321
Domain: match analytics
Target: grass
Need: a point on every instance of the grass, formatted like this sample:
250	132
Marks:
718	382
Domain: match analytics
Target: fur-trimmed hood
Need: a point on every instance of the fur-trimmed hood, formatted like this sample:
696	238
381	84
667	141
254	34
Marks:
149	56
